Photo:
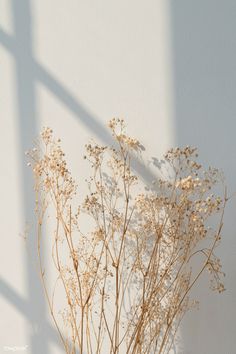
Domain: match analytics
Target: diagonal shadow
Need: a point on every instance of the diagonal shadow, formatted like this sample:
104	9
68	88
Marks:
7	41
22	306
88	119
85	117
71	103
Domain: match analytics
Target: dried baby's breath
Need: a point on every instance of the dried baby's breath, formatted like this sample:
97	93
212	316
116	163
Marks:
127	280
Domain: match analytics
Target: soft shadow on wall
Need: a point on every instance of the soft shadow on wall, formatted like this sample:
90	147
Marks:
28	72
26	122
204	69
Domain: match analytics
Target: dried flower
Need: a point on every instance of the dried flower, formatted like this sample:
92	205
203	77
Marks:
134	264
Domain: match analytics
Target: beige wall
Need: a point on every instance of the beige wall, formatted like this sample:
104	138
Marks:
73	65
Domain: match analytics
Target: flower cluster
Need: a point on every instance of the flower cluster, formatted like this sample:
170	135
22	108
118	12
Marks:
117	127
188	183
50	168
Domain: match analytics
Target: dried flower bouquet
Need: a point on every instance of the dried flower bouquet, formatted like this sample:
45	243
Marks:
127	279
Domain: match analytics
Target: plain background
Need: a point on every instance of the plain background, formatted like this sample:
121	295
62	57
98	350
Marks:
169	69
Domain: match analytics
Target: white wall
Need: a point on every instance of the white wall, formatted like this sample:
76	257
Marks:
168	68
204	78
